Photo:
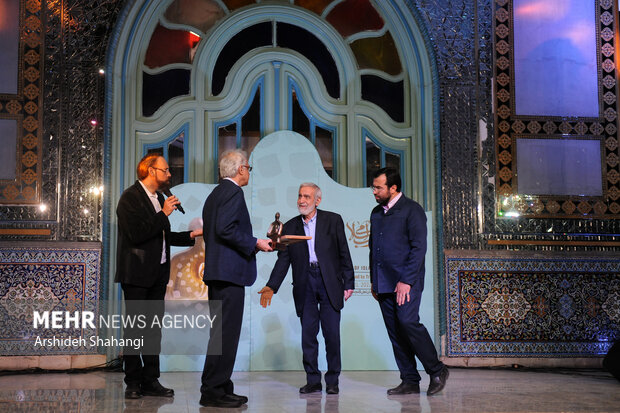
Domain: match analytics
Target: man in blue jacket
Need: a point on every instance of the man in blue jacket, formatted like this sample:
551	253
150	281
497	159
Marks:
322	280
397	250
230	265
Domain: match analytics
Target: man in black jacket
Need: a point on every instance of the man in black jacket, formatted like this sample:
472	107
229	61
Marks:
322	280
143	268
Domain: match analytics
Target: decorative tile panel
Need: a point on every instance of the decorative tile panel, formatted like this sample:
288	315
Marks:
519	305
41	273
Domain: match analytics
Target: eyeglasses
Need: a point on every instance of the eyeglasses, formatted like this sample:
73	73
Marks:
163	170
248	167
377	188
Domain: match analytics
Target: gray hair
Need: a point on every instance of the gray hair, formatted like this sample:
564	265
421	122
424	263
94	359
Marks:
317	190
230	161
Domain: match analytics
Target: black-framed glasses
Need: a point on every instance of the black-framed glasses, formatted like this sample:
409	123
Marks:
163	170
248	167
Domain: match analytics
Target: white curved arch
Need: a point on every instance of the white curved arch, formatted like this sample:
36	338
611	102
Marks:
206	55
415	136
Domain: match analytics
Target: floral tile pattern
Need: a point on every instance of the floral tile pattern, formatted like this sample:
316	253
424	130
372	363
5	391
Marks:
65	278
534	307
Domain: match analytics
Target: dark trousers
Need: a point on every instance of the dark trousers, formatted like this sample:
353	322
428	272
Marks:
142	365
220	359
317	309
409	337
611	362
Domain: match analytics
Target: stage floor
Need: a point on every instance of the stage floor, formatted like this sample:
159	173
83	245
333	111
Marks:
468	390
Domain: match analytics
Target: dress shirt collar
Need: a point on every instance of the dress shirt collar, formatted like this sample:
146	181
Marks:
149	193
231	180
390	204
311	220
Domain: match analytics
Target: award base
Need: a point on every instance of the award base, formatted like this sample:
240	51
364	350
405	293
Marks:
286	240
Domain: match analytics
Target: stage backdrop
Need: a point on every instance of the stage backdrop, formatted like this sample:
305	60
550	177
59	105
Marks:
270	338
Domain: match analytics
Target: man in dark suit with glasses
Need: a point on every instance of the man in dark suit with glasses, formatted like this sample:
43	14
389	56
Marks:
143	268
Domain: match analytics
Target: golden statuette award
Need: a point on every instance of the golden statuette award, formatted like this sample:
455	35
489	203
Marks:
279	241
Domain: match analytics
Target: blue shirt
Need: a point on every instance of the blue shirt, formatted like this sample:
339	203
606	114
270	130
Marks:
310	231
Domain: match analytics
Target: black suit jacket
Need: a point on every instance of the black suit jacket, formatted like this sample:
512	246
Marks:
332	252
140	237
230	247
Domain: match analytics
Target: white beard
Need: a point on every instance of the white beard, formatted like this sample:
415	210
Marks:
305	211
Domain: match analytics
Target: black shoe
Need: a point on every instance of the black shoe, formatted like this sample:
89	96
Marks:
226	400
133	392
311	388
405	388
438	382
331	389
242	399
156	389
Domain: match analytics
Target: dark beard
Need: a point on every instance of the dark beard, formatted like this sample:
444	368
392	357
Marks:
163	185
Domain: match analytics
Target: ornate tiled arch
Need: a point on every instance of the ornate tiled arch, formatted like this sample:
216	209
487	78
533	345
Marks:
509	126
24	107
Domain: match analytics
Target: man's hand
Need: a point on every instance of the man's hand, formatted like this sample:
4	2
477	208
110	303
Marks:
347	294
402	293
170	204
264	245
195	233
266	293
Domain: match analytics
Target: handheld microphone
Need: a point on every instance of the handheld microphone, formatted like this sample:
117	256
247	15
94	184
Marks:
169	194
